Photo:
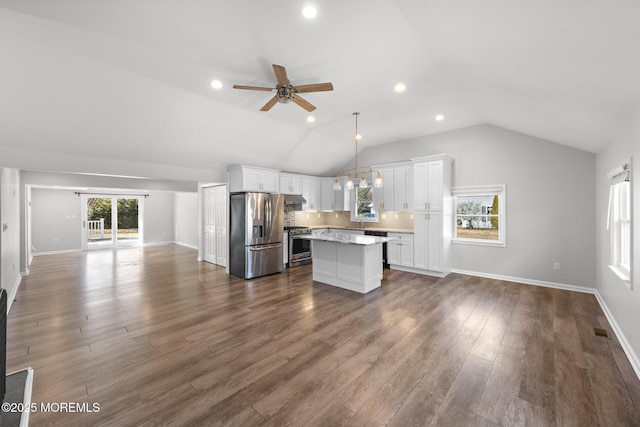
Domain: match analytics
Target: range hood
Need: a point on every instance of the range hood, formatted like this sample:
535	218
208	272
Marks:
294	202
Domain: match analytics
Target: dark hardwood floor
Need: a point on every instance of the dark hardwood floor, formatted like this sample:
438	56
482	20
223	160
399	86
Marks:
156	338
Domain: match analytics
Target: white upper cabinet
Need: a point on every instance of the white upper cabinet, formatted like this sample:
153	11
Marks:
328	202
244	178
402	188
397	188
290	184
311	191
431	176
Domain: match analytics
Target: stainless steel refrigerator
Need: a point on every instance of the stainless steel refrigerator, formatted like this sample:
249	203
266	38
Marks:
256	225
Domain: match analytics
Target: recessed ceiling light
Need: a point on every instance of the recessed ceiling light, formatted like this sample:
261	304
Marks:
439	117
358	137
216	84
311	119
400	87
309	12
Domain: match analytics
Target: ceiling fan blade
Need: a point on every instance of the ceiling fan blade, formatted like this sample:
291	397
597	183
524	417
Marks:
304	104
281	75
266	89
273	101
315	87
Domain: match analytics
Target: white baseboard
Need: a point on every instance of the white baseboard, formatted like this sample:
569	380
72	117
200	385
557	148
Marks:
554	285
14	291
158	243
187	245
419	271
66	251
628	350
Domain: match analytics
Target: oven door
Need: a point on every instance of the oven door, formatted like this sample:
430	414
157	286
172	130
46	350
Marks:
299	251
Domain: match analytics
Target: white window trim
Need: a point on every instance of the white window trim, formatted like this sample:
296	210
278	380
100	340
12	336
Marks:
621	270
501	191
354	208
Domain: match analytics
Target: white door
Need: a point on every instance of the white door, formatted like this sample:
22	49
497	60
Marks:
215	225
209	224
221	225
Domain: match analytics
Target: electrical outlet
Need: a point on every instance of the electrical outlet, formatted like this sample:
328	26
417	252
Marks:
556	266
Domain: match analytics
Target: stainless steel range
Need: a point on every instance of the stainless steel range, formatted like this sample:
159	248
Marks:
299	249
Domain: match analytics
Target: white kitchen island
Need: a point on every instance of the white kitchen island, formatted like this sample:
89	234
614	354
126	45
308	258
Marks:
351	262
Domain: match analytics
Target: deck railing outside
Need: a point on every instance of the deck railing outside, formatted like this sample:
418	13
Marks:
95	229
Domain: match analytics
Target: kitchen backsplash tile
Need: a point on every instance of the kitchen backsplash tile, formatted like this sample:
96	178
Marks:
387	220
289	217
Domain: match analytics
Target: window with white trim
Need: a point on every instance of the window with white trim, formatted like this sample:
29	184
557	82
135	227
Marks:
619	222
479	215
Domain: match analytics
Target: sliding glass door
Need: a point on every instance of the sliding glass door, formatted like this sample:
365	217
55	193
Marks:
110	221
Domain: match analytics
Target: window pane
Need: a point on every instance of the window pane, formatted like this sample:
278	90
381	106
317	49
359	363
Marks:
364	203
488	229
98	219
477	217
128	219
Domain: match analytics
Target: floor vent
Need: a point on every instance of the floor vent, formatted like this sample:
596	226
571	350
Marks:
601	332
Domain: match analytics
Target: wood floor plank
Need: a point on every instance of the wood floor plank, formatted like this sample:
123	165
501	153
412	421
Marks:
575	401
157	338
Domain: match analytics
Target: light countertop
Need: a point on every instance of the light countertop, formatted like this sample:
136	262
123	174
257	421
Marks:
338	227
349	239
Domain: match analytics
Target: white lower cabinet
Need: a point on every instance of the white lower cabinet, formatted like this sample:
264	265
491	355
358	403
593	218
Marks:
431	250
400	250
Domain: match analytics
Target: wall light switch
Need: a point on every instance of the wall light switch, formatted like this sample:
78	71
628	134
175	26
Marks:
556	266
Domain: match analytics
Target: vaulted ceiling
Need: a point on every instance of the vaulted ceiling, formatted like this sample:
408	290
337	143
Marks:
130	80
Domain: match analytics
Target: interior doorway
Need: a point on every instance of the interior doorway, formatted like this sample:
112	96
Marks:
215	225
111	221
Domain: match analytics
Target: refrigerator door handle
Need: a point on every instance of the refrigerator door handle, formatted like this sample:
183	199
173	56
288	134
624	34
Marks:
269	216
265	247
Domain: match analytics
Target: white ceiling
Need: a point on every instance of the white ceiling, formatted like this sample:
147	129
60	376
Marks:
130	79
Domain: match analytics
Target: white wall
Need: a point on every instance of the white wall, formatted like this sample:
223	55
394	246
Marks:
186	219
623	303
550	199
56	221
10	241
159	217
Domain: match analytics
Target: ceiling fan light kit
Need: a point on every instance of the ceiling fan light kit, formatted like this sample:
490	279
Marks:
286	92
358	172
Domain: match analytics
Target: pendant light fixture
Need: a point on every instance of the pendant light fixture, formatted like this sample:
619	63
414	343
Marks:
358	173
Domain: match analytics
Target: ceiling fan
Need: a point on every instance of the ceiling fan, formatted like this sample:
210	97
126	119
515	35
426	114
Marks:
286	92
